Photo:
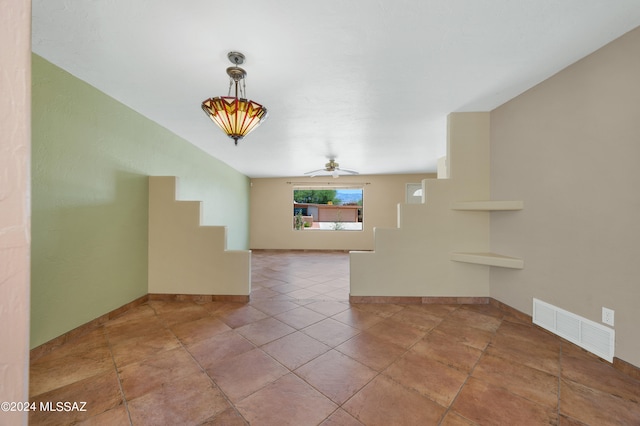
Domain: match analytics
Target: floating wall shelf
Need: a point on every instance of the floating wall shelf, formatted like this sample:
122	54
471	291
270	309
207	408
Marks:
491	259
488	205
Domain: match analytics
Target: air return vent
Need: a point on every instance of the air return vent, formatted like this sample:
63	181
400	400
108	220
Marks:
585	333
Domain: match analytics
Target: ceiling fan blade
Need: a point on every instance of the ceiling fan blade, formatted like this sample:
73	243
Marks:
351	172
314	172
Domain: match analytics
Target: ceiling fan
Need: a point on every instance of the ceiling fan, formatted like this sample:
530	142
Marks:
333	168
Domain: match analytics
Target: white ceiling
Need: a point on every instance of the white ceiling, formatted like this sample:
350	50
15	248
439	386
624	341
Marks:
367	82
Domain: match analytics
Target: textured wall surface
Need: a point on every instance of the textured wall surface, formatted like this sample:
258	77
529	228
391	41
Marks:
91	160
570	148
15	73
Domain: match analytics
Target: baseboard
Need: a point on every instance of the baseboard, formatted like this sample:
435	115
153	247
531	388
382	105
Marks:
86	328
401	300
254	250
620	365
56	342
625	367
199	298
417	300
47	347
521	316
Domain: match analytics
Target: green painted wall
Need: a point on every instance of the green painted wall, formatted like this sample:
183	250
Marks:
91	157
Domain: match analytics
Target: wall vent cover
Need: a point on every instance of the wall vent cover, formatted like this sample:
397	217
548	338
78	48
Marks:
594	337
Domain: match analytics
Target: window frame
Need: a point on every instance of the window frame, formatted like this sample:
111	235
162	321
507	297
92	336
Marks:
328	210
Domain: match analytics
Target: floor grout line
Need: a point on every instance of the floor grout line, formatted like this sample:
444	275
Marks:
501	345
125	402
453	401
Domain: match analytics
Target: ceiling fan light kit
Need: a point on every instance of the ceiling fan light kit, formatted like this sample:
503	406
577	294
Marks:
235	115
333	168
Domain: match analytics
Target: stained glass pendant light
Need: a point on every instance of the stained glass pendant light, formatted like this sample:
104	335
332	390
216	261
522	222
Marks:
235	115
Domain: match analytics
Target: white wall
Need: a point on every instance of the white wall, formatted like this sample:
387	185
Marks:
15	124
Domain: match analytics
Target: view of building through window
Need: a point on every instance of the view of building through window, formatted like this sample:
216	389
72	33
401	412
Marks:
333	209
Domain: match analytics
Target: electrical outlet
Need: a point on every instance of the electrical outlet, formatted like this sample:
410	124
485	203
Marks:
607	316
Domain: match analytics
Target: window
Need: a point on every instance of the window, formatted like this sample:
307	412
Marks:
327	209
414	193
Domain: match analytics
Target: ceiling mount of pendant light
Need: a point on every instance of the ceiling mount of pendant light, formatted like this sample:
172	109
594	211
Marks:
235	115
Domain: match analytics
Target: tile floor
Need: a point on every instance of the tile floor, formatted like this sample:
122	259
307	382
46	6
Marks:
299	354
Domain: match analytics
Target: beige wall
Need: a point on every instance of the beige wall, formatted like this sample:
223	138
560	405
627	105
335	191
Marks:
15	135
186	257
272	212
570	148
415	259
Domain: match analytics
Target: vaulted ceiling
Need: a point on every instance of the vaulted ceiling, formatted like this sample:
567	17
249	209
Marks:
367	82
